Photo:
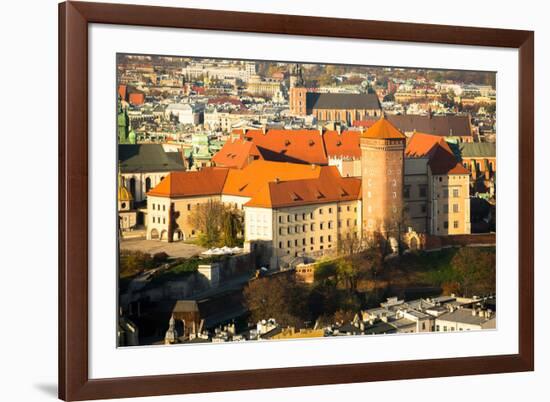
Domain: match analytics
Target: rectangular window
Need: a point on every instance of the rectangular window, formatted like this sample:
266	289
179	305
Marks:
422	191
455	208
321	226
446	224
321	239
303	242
455	224
329	238
280	244
406	191
288	218
304	227
330	210
320	211
312	227
164	207
288	243
311	241
446	208
189	207
455	192
296	242
280	219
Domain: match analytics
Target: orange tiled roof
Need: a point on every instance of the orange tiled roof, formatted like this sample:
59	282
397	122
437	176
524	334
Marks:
344	145
383	129
236	153
208	181
248	181
421	144
295	146
328	187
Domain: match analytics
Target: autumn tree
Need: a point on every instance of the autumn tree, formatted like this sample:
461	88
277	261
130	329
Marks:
280	297
219	224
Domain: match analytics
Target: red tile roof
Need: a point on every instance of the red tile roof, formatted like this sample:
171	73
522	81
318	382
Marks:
442	160
295	146
421	144
236	153
248	181
328	187
343	145
208	181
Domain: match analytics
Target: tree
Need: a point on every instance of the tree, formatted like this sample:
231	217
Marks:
280	297
476	271
219	224
232	226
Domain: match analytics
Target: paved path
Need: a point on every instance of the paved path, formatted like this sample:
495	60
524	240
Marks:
175	249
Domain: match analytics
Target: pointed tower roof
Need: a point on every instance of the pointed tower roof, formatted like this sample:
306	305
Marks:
383	129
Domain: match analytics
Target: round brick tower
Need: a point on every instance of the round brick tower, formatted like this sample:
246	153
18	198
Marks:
382	165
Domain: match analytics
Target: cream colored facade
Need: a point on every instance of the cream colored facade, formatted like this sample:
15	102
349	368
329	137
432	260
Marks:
307	230
415	194
161	222
449	204
347	167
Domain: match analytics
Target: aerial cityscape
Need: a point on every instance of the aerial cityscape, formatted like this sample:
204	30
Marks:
265	200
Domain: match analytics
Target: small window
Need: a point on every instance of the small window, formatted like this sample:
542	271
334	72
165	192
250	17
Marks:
164	207
455	208
280	244
321	239
321	226
189	207
311	240
455	224
455	192
320	211
446	224
330	210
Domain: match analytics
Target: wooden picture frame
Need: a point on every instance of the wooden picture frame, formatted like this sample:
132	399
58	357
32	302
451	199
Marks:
74	381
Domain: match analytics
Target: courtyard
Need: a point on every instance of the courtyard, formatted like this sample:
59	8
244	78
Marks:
176	249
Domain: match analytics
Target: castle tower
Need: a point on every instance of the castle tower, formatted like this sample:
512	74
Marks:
382	165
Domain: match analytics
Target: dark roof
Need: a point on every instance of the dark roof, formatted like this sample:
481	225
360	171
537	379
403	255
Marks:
136	158
341	101
477	150
380	328
458	126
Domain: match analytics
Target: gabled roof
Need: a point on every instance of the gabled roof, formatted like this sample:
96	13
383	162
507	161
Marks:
135	158
444	162
209	181
383	129
328	187
315	100
343	145
420	145
236	153
295	146
248	181
454	125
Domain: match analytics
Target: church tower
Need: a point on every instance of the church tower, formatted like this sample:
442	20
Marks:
382	165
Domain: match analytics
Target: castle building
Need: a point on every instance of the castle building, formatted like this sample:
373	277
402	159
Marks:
436	189
382	167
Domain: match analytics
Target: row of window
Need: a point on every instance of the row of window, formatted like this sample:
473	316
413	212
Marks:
157	207
456	224
304	216
157	219
312	227
303	242
446	208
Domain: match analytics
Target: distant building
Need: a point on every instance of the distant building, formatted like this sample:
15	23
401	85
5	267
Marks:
479	158
334	106
465	319
457	127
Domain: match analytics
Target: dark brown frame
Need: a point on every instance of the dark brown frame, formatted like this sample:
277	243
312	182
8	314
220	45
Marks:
74	17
